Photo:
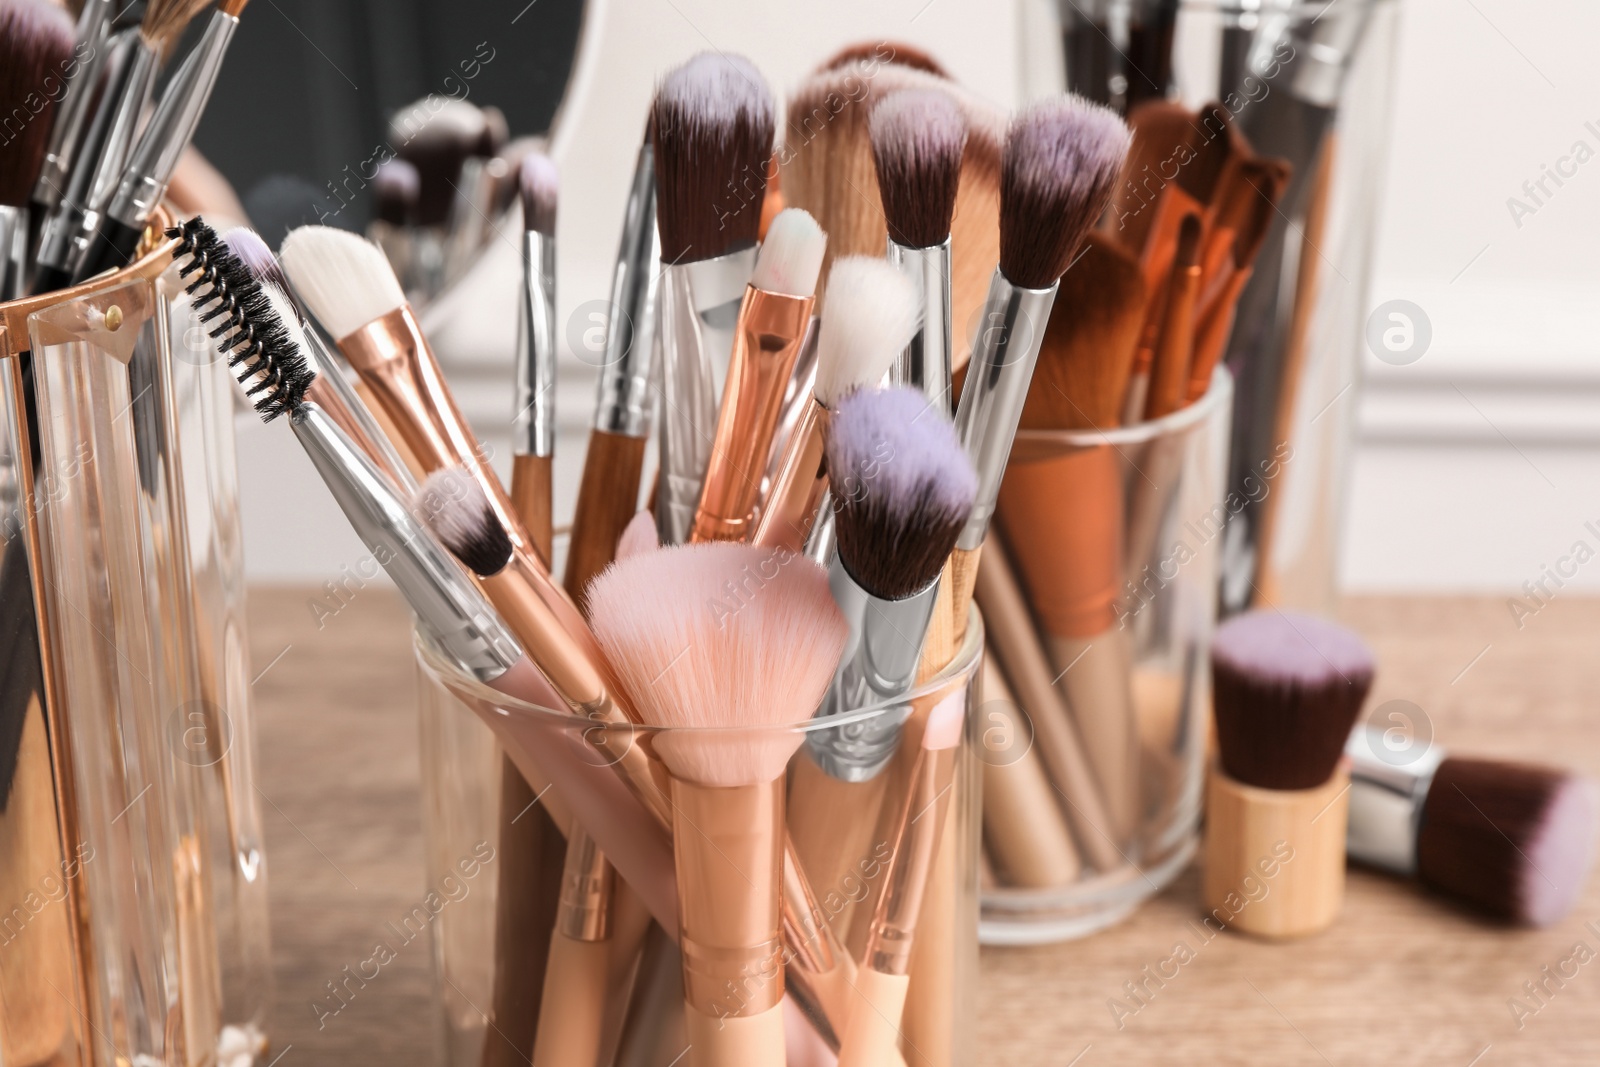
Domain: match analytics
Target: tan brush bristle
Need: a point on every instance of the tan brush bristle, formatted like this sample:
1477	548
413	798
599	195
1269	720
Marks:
232	7
165	21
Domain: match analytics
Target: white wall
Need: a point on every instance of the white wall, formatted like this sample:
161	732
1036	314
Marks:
1475	465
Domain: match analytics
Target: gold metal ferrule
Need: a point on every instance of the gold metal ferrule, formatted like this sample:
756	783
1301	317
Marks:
766	343
791	507
919	835
587	881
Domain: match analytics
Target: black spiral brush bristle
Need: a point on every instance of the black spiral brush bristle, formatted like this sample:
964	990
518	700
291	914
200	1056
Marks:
918	136
35	48
1061	159
261	345
1515	840
902	488
1286	689
452	504
713	129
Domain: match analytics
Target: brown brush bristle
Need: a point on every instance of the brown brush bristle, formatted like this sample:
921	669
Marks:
165	20
36	41
1188	241
896	52
918	138
1267	179
1164	135
1060	160
1515	840
713	133
1286	690
232	7
1089	342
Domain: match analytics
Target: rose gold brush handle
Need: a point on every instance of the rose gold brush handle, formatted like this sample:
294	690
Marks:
572	1010
791	507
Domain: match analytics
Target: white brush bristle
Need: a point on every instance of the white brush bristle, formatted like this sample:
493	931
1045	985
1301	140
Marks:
343	278
739	639
791	256
437	119
872	310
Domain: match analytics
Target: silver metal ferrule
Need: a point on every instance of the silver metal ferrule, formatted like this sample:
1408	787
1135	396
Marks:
878	666
926	362
1326	53
1387	790
533	425
172	126
462	622
699	310
1003	357
622	405
94	27
13	251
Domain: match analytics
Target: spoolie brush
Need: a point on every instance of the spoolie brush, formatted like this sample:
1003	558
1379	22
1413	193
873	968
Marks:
726	677
1061	158
1286	689
1514	841
36	41
918	138
712	130
865	325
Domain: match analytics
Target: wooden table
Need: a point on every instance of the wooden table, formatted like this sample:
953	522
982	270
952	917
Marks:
1403	979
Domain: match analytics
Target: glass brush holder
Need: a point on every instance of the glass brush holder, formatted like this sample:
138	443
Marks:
131	867
1307	82
1098	587
843	836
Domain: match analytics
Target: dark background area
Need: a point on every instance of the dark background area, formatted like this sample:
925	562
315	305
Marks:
310	84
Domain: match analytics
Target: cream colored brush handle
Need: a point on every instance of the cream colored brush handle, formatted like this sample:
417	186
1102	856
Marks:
873	1036
573	1007
1026	834
1096	676
736	1040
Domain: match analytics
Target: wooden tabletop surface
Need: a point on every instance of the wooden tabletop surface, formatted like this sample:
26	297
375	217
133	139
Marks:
1402	979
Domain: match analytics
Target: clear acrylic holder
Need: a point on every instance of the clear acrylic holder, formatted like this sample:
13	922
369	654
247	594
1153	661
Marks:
1098	586
124	493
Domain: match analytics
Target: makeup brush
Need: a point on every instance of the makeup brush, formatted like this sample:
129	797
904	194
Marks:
1514	841
81	77
1286	689
712	125
873	1035
773	322
167	133
1061	157
98	164
896	52
395	187
1169	376
533	427
743	674
436	135
865	326
35	49
608	492
917	139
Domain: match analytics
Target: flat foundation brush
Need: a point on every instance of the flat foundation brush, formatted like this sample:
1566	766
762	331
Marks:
1513	841
917	142
712	125
1286	689
35	50
745	675
774	321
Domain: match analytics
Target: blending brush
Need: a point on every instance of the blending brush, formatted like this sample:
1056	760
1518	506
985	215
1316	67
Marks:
395	188
260	334
917	139
1514	841
170	129
774	320
712	129
534	854
99	163
608	492
724	684
1286	689
36	46
865	326
82	78
1061	158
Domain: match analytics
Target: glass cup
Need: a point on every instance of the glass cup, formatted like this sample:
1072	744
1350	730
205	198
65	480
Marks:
1098	587
123	600
843	836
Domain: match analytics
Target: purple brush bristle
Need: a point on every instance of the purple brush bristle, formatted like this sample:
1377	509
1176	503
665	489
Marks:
902	487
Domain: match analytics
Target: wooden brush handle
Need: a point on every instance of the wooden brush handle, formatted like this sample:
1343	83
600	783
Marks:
531	486
1274	858
607	499
574	1005
735	1040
